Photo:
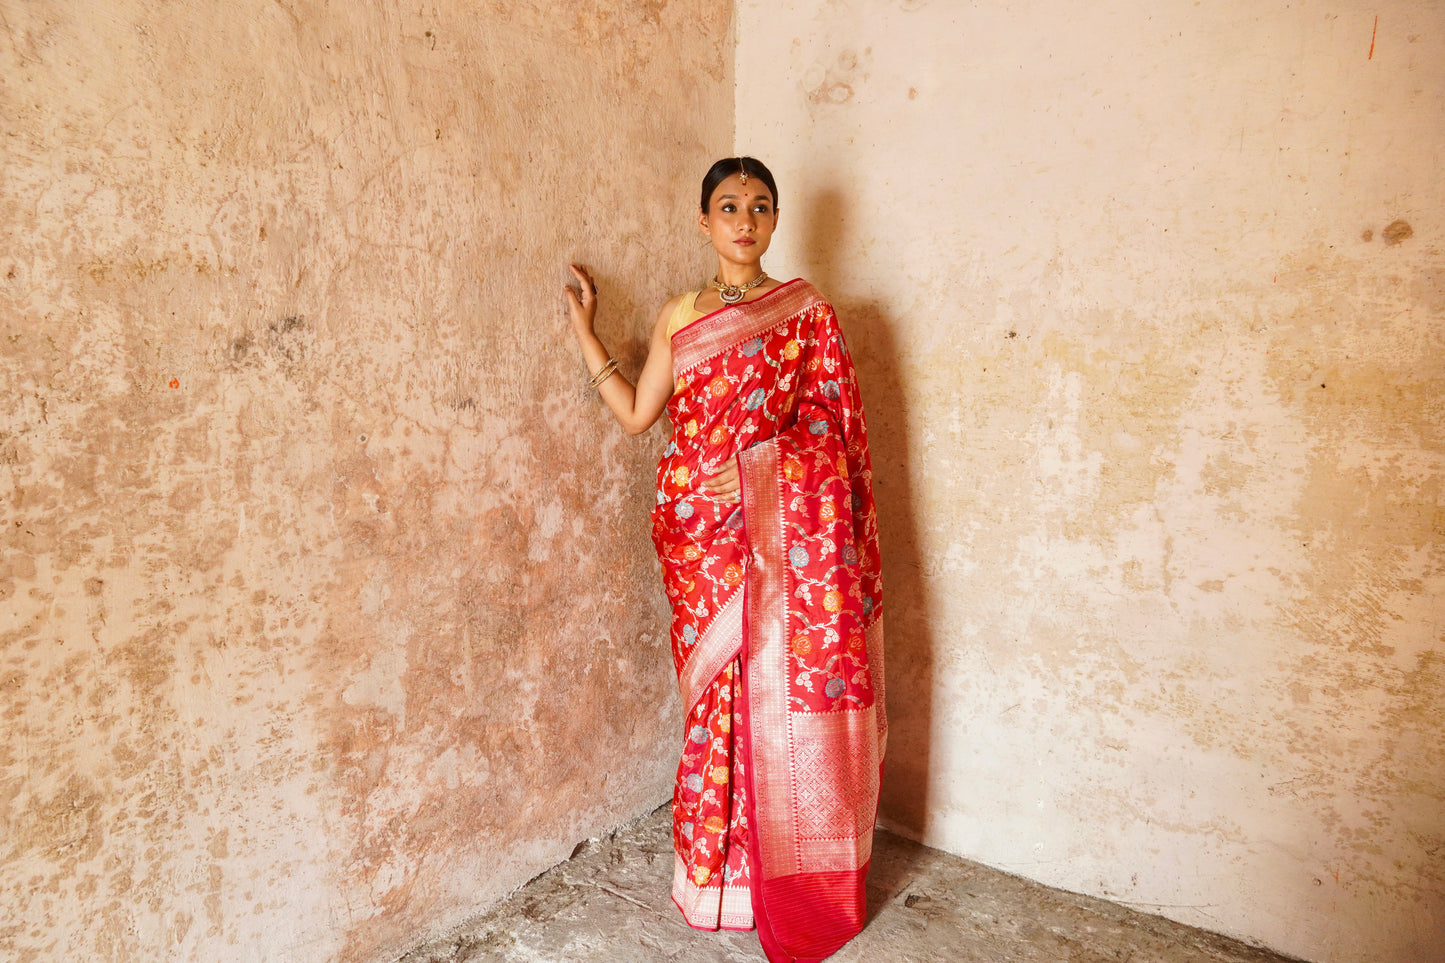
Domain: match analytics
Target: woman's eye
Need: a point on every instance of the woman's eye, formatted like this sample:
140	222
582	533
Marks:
761	209
728	208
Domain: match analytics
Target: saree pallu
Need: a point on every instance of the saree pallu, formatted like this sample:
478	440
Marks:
777	632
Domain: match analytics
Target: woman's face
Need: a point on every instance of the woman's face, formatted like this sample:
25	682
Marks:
740	220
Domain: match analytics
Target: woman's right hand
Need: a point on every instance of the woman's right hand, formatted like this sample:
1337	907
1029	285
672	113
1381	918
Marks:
582	305
726	485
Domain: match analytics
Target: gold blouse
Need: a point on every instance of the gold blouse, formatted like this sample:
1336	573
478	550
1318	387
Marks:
684	314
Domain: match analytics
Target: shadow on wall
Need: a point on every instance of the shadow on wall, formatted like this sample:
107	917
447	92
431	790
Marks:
908	644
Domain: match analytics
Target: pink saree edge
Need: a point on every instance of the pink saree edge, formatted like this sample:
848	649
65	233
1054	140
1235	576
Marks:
719	645
719	331
762	501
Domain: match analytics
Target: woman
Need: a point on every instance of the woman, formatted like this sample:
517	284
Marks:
765	527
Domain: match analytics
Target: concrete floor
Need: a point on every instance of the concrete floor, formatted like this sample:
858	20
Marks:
610	904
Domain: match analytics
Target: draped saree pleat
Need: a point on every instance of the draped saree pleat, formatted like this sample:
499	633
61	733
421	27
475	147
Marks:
777	631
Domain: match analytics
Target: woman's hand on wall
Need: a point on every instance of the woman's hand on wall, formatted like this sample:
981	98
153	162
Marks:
581	304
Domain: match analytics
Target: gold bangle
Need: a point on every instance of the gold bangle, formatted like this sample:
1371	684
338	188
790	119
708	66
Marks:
604	373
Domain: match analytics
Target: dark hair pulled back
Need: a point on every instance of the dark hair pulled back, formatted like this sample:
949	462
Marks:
729	166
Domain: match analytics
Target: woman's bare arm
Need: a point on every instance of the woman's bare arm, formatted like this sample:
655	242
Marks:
635	408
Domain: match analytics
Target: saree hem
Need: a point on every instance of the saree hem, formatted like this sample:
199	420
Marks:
710	907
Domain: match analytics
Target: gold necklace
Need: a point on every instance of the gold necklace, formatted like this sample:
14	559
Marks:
733	293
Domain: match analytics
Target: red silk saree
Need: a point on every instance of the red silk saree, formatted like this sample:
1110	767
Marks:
777	631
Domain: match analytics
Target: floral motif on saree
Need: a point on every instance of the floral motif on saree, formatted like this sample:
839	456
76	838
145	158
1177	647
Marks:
777	625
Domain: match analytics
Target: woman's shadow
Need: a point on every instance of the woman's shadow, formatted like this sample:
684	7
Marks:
908	628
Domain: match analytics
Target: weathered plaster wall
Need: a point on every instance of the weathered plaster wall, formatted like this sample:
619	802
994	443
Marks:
1154	369
327	607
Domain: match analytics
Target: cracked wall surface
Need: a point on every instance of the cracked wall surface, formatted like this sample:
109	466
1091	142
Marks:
327	608
1149	307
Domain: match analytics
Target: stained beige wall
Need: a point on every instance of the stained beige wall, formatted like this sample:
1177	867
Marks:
1153	366
327	607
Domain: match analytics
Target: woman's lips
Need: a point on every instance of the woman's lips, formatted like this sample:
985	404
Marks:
745	241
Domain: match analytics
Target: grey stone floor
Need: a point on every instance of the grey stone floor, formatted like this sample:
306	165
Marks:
610	904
